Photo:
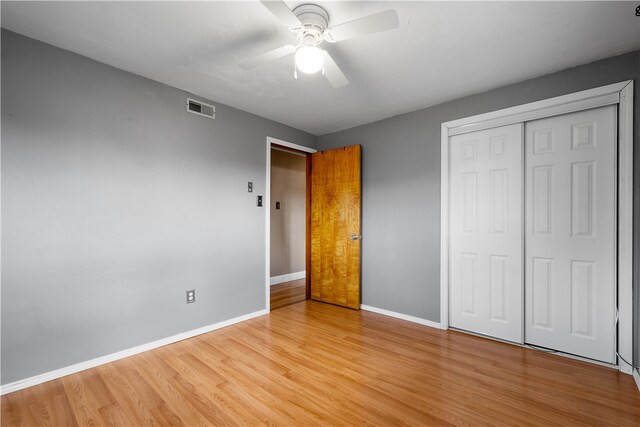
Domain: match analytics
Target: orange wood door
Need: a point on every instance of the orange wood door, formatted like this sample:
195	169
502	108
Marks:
335	226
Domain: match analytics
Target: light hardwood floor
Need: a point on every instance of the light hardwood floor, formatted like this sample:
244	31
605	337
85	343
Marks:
288	293
312	363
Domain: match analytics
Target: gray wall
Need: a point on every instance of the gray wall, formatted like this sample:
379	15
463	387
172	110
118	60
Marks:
401	185
115	201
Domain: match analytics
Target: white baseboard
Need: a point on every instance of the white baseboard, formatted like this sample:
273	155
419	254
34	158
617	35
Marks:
58	373
636	376
624	367
276	280
401	316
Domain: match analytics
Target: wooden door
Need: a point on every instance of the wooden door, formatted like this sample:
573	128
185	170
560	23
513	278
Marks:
486	232
571	233
335	226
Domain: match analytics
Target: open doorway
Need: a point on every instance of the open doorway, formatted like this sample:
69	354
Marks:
288	236
287	223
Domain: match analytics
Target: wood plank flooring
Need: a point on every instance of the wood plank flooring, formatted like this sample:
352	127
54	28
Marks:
288	293
316	364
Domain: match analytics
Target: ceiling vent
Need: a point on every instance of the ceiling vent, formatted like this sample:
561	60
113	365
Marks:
201	109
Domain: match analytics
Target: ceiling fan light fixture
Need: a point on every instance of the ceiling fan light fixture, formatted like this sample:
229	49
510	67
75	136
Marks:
309	59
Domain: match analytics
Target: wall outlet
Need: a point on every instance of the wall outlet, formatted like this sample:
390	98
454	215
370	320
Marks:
191	296
249	187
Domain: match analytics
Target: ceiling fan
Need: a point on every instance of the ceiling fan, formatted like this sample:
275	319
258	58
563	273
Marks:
310	23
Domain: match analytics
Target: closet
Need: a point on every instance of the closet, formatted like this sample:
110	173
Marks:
532	221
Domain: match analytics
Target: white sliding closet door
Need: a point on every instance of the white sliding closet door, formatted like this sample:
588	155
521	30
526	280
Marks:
486	256
570	207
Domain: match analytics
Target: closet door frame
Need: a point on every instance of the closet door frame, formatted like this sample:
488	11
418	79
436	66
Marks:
620	94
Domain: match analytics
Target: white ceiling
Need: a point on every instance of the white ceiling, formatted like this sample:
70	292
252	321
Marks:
441	51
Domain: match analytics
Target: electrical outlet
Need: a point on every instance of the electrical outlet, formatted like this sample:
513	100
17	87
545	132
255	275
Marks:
250	187
191	296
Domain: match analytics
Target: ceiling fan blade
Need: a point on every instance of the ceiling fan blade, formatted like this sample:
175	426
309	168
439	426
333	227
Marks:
272	55
281	11
333	73
382	21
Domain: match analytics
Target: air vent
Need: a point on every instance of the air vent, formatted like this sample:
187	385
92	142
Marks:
200	108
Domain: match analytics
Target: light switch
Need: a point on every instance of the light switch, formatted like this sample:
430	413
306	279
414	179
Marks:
277	205
259	201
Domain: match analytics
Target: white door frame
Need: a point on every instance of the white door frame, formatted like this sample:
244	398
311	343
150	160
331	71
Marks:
617	93
267	205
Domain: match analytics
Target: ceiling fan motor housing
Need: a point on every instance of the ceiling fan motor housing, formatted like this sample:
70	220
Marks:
315	21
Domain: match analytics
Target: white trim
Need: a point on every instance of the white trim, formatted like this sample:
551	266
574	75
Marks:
597	97
625	227
290	145
413	319
276	280
617	93
636	376
444	227
58	373
267	231
267	205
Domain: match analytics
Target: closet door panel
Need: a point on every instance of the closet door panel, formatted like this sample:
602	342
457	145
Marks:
570	210
485	262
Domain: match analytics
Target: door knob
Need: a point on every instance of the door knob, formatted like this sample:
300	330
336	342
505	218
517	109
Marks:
355	237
